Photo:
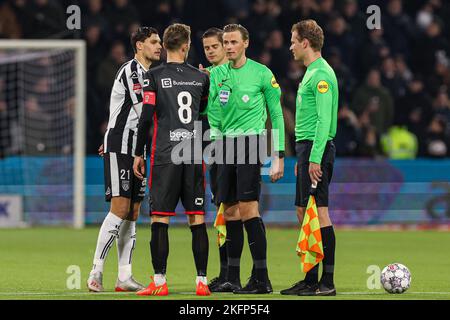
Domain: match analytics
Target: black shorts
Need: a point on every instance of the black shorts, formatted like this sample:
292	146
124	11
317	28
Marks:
303	185
240	178
213	182
120	180
172	182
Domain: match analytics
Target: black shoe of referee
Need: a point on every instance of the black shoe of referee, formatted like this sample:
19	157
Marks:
326	290
255	286
318	290
228	286
299	287
215	283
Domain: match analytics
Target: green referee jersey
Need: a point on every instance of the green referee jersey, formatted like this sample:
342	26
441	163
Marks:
316	107
243	94
214	114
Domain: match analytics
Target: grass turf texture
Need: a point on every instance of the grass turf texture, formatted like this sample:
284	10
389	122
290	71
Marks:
34	261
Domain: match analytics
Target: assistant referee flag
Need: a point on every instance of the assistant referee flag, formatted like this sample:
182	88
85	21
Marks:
309	244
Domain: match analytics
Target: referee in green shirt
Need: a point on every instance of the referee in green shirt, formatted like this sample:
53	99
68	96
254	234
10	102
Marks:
246	89
315	128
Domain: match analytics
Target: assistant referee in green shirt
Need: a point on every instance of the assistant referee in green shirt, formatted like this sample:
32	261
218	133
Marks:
315	128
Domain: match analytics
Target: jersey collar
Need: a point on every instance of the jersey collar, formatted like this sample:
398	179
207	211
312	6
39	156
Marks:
143	68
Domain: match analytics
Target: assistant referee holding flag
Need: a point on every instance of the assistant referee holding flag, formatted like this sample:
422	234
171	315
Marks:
315	127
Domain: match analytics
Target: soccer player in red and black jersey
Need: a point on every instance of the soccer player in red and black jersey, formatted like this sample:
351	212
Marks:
175	93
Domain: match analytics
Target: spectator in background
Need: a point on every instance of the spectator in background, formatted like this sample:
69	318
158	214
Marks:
338	37
325	12
399	29
94	14
259	24
108	68
356	21
372	101
427	48
441	106
295	11
374	51
414	110
391	79
424	16
348	137
399	144
238	8
120	15
95	49
9	26
441	75
403	70
346	81
436	142
47	21
441	8
279	53
159	14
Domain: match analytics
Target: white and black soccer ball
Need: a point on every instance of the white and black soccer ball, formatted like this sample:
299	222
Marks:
395	278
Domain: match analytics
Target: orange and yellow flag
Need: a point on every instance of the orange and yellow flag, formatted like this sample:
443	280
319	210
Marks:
219	224
309	244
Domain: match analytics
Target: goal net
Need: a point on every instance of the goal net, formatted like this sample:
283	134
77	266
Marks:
42	112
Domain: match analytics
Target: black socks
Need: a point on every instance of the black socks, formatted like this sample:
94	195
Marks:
234	246
159	247
258	246
223	262
329	246
200	248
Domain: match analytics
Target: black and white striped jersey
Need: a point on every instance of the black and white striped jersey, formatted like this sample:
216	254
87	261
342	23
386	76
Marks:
125	108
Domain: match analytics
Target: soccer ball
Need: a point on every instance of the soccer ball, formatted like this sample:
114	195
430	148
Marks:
395	278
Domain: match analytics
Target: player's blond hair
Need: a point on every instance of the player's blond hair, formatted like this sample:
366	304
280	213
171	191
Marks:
176	35
310	30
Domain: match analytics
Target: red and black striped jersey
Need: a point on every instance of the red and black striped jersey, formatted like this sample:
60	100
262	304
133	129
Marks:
176	94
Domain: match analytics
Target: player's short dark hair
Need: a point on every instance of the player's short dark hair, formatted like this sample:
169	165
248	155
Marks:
309	29
141	34
237	27
213	32
176	35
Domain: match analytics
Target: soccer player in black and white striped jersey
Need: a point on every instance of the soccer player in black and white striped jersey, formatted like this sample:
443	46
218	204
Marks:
122	188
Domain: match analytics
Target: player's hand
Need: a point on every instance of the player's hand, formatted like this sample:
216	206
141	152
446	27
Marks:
296	169
315	172
139	167
277	169
203	69
101	151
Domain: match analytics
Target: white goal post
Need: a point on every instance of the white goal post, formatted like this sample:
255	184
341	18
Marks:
79	127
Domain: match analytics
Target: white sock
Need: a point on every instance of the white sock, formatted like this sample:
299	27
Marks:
126	242
201	279
124	272
108	232
159	279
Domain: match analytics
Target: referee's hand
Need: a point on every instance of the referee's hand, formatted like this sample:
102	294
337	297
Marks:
277	169
139	167
315	172
202	69
101	150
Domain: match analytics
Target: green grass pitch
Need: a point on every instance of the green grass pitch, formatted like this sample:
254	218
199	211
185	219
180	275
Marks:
34	263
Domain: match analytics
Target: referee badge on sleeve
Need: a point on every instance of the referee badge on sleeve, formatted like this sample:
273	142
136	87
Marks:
224	96
323	86
274	82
